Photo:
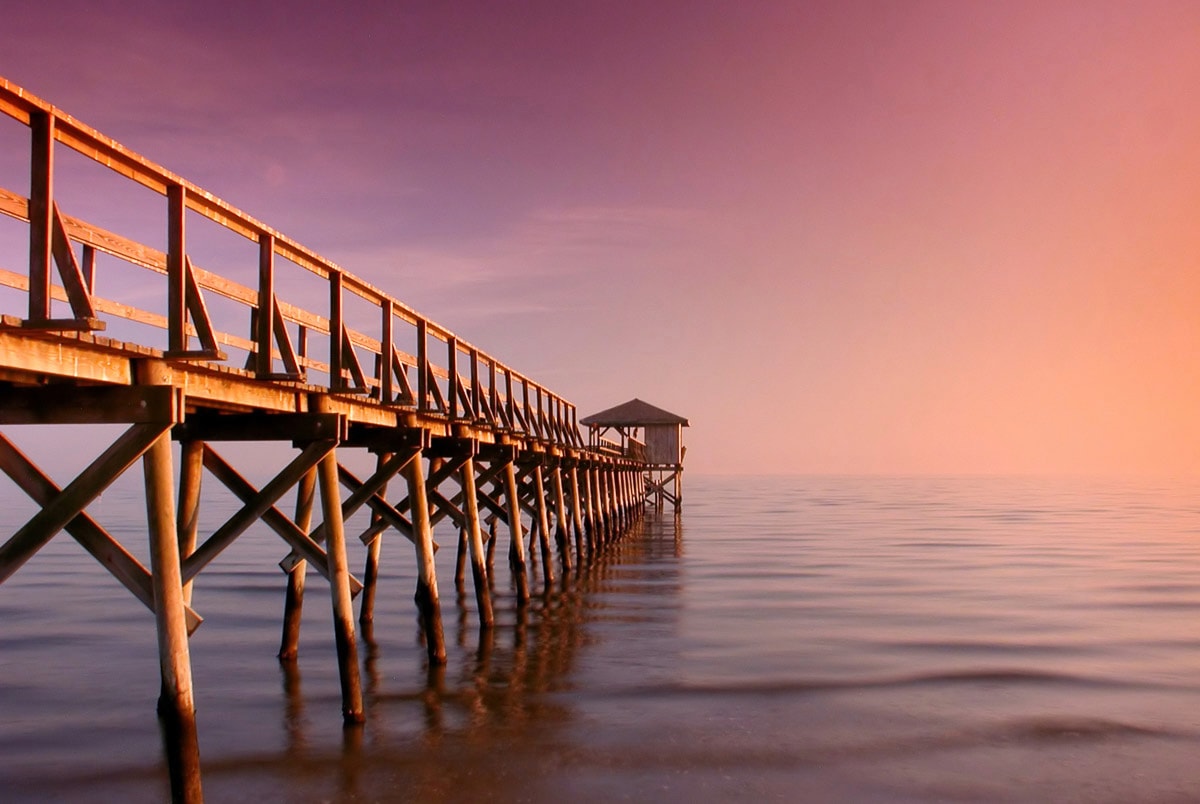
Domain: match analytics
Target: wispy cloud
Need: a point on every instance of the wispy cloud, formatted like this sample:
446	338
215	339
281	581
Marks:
529	268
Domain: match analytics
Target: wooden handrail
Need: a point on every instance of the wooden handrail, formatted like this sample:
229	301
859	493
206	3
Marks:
472	384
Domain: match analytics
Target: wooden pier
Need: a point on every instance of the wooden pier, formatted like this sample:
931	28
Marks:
283	346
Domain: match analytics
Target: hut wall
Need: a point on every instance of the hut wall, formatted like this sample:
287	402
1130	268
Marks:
663	442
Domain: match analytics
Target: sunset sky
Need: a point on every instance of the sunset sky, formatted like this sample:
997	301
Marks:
851	237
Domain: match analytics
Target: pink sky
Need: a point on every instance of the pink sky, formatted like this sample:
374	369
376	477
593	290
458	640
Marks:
839	237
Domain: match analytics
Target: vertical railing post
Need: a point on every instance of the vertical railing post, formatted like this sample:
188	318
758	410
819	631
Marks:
530	425
41	212
493	391
336	328
452	369
476	388
88	268
509	404
176	269
386	354
422	365
265	319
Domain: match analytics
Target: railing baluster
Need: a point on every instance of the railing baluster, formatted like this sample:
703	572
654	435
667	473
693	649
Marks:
266	304
336	383
386	352
422	365
476	390
452	368
41	211
176	279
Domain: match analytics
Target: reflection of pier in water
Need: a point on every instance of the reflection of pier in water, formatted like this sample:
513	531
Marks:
507	689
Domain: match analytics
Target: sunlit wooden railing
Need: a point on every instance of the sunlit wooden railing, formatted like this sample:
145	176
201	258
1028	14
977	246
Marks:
381	349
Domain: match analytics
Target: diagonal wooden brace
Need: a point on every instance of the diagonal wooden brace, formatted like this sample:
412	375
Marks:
368	493
132	574
78	494
254	508
305	548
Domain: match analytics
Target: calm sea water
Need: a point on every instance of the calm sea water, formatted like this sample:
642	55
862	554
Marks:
824	639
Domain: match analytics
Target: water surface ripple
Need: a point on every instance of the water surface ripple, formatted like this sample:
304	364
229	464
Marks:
825	639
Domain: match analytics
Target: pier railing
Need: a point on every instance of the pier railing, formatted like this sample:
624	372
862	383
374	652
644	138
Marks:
631	448
357	339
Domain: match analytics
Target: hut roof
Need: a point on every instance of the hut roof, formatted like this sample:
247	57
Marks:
635	413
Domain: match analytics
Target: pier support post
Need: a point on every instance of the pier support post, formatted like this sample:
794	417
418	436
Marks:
516	547
483	600
191	469
366	607
560	516
576	515
339	583
176	704
602	483
293	605
619	492
543	528
627	494
630	501
427	593
593	520
595	524
606	495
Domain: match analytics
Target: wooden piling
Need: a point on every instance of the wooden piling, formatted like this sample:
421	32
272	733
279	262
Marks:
339	583
543	528
289	647
474	537
460	561
576	514
595	525
560	516
366	607
426	595
516	548
176	704
191	469
606	530
493	538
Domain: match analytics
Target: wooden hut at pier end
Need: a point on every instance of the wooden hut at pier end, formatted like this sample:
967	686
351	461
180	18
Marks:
642	432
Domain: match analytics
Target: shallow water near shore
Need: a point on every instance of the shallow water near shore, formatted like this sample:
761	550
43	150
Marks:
821	638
